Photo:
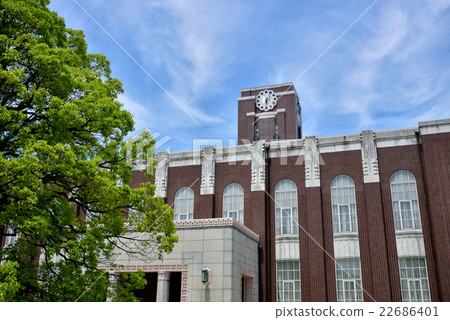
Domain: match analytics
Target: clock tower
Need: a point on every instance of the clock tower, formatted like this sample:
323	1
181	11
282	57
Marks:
269	113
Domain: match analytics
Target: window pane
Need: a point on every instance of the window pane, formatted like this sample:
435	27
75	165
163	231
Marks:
404	201
288	281
233	202
348	280
184	204
414	280
343	201
286	207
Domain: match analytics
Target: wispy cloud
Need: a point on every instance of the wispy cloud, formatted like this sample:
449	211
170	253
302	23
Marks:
390	70
187	43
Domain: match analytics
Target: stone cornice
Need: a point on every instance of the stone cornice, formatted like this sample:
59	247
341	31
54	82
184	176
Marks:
216	223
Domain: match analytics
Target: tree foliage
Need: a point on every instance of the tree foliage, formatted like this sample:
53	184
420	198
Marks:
128	283
62	153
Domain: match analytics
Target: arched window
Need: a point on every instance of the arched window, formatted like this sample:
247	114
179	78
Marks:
184	204
286	207
233	202
405	203
343	202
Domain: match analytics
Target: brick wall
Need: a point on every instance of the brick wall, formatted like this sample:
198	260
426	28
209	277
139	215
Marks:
436	165
391	160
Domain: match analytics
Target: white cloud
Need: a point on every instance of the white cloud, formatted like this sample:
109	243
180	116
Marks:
187	41
389	69
386	36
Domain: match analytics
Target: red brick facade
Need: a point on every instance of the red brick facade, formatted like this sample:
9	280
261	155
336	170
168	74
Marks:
421	152
377	239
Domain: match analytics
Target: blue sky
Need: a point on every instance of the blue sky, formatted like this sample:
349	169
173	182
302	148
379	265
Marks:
390	70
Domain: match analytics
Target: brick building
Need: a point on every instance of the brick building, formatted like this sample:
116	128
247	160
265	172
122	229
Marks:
357	217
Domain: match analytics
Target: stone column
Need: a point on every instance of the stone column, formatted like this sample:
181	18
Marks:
258	153
208	170
369	157
312	162
162	294
161	174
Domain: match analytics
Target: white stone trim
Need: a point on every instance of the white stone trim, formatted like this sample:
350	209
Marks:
247	98
348	142
369	157
208	171
185	158
346	246
287	248
285	148
340	143
258	179
183	268
285	93
161	174
312	163
410	244
216	223
233	154
434	127
279	94
396	138
266	114
269	87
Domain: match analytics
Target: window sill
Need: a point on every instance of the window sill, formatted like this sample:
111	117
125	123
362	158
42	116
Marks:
345	235
286	237
408	231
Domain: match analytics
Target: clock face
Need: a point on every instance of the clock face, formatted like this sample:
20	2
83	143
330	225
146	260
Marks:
266	100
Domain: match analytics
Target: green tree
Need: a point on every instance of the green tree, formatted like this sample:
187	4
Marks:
61	153
128	283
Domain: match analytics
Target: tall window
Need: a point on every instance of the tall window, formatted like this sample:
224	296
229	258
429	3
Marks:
184	204
286	207
233	202
11	237
288	281
343	203
404	201
348	281
414	280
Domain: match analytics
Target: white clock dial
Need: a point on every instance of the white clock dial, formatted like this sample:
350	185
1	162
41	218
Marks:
266	100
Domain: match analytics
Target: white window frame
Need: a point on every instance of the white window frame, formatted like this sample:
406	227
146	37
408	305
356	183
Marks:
341	215
232	214
357	291
292	226
11	239
400	222
351	291
336	204
283	289
424	286
188	213
238	206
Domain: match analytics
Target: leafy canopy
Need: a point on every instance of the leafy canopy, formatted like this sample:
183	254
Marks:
62	156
